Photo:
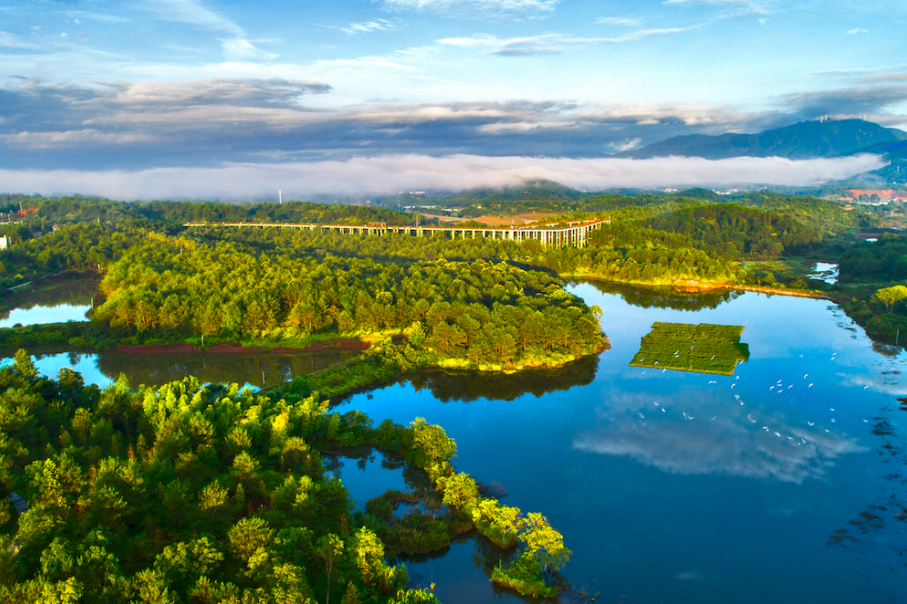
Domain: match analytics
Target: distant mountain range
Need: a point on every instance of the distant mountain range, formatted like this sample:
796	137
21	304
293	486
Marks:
804	140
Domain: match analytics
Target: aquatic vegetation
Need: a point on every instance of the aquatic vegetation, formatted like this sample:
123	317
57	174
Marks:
703	348
524	575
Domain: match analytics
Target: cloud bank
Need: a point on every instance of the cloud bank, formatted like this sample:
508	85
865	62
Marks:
394	173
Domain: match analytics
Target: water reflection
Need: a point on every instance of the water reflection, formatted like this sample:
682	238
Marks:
367	472
42	315
59	294
470	386
697	431
256	370
665	297
260	370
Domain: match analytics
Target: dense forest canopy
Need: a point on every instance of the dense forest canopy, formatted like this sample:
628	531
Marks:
882	261
481	312
655	239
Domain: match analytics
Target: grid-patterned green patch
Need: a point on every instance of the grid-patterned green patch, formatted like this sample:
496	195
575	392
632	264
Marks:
703	348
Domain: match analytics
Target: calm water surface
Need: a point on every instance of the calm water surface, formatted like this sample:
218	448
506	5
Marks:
684	487
255	370
40	315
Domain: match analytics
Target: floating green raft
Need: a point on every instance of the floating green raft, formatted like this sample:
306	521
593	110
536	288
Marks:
703	348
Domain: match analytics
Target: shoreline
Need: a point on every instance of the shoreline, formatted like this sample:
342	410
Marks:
691	286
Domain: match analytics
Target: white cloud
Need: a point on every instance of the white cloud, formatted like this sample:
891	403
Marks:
858	30
735	7
476	8
57	140
243	48
390	173
553	43
8	40
368	26
628	21
625	145
504	127
81	14
193	13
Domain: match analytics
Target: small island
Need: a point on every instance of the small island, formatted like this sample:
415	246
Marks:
702	348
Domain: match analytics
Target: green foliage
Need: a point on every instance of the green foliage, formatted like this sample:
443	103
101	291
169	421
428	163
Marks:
736	232
890	295
468	314
703	348
414	596
191	493
499	523
882	261
524	575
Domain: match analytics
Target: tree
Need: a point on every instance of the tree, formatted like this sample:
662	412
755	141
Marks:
890	295
544	543
329	547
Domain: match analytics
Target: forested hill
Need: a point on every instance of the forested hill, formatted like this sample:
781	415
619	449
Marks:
736	231
803	140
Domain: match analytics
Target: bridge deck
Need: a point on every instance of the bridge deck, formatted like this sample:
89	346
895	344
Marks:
575	233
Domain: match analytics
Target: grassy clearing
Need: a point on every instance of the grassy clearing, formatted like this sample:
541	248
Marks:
703	348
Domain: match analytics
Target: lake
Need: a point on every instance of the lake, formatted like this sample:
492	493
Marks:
780	483
682	487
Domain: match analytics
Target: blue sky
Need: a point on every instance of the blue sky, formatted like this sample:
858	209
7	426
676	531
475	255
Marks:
99	86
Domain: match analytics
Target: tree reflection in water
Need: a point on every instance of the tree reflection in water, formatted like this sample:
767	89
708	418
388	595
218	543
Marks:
665	297
467	386
261	369
76	293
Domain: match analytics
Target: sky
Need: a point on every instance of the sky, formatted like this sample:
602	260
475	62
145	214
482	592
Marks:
213	98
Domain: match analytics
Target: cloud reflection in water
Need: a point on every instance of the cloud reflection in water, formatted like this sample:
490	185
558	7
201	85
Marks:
709	432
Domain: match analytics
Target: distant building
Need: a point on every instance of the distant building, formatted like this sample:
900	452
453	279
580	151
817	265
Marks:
4	242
